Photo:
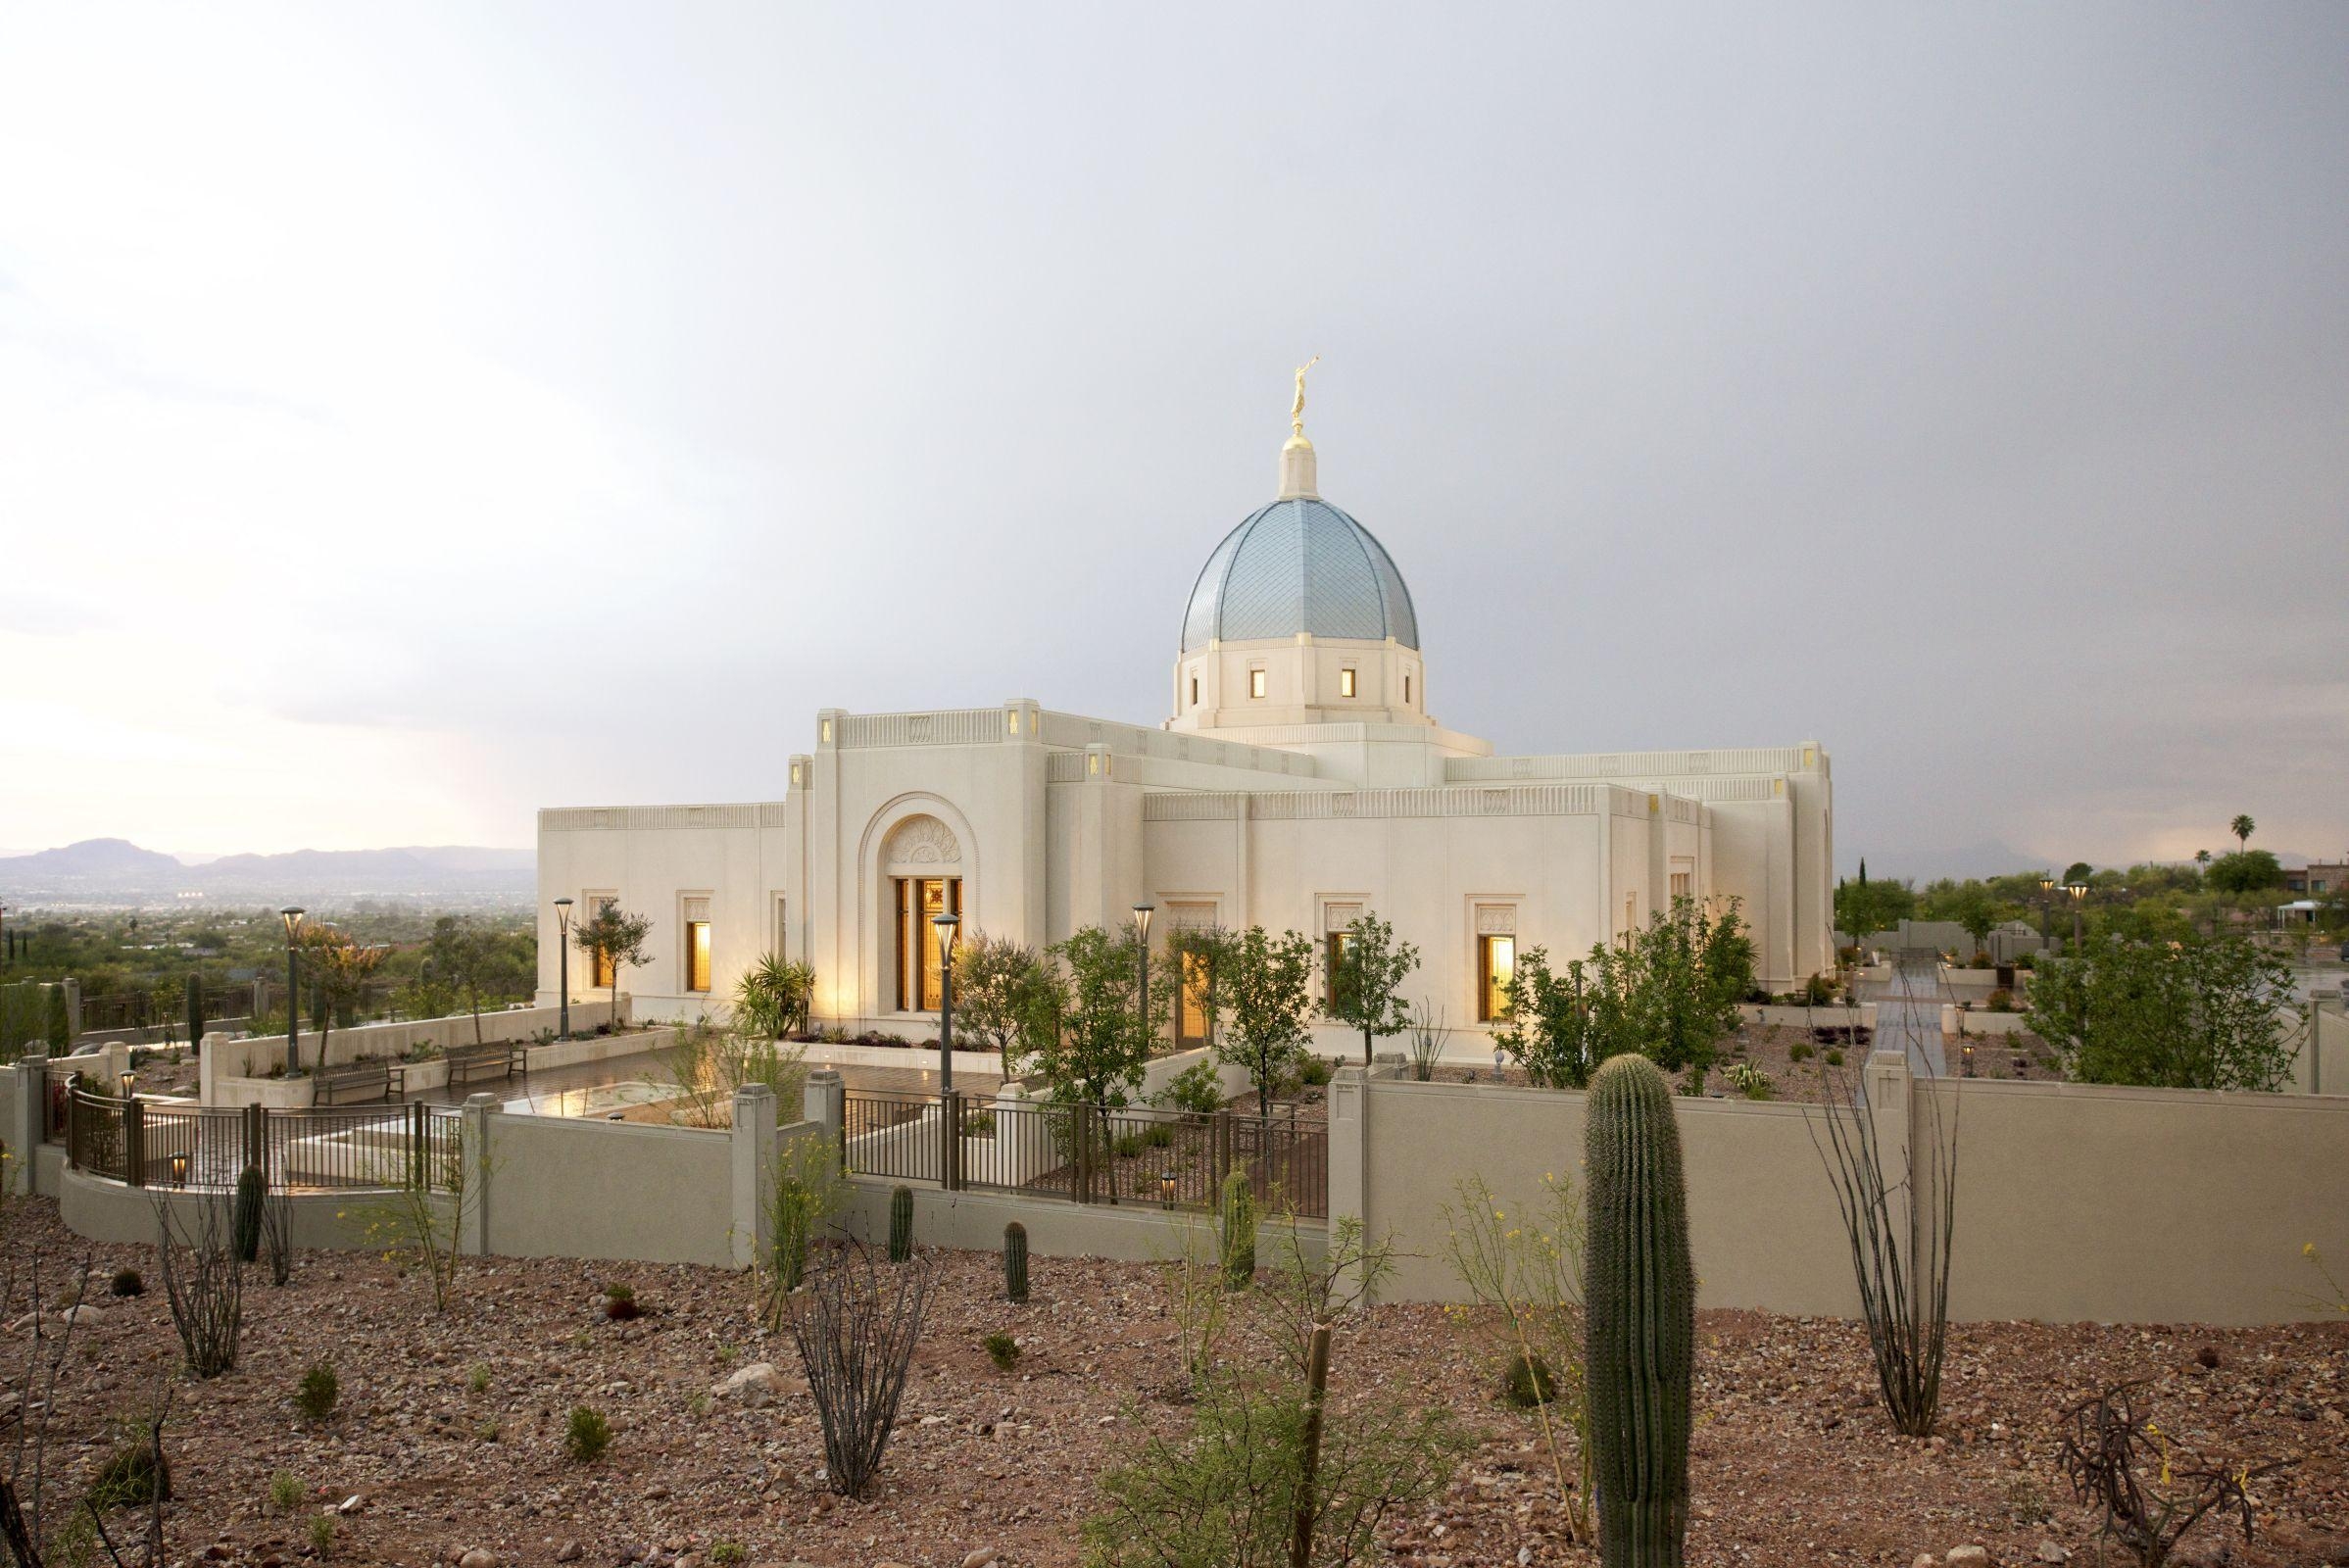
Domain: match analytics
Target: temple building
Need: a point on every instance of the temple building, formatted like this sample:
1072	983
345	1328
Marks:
1301	781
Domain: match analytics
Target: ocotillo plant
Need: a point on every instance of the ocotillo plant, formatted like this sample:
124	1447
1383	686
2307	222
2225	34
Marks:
1238	1231
900	1224
1015	1261
1639	1314
245	1229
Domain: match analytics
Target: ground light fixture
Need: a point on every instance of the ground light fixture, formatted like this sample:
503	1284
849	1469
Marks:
562	950
291	915
180	1170
1142	936
1167	1189
945	922
1969	1058
130	1084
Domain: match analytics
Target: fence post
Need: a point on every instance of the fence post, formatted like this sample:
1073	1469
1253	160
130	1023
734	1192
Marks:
472	1203
1350	1151
30	1126
418	1170
74	1119
752	1152
135	1142
824	1100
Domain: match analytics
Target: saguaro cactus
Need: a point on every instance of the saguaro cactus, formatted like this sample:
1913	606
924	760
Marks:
1238	1231
245	1221
900	1224
195	1009
1639	1314
1015	1261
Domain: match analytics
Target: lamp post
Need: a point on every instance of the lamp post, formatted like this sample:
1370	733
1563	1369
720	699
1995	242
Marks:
292	915
563	951
2046	898
946	924
1141	941
2080	892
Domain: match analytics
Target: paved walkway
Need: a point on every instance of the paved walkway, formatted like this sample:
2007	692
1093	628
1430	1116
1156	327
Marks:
1908	1015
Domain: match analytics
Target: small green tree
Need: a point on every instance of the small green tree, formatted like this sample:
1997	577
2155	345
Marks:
614	940
340	969
2245	871
1088	1039
61	1027
1003	992
1551	1031
1267	986
1367	976
2190	1013
462	953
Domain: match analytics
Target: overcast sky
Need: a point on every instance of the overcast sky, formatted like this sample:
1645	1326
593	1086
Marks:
410	417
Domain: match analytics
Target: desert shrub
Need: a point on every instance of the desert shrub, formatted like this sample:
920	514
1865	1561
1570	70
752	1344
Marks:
316	1395
203	1280
1528	1381
476	1380
321	1534
1273	1468
2149	1493
807	1192
1125	1146
126	1282
2000	1000
1313	1071
855	1326
727	1554
619	1302
1003	1349
586	1435
285	1491
1197	1088
1749	1080
1800	1051
1157	1134
134	1473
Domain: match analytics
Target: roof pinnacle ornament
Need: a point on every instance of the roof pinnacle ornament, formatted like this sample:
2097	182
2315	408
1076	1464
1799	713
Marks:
1297	478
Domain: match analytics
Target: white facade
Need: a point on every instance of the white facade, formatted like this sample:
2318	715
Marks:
1300	782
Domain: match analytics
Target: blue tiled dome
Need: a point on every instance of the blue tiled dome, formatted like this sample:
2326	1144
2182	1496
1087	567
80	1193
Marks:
1300	566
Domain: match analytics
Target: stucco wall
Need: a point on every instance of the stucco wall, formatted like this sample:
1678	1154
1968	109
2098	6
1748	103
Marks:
564	1188
1136	1233
1761	1225
2074	1203
255	1055
108	1211
2084	1201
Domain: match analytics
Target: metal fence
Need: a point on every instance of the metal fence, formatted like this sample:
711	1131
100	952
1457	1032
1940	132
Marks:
1088	1154
151	1144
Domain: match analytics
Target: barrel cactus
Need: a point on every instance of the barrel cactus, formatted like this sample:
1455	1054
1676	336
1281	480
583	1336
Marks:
1015	1261
1639	1293
900	1224
245	1223
1238	1231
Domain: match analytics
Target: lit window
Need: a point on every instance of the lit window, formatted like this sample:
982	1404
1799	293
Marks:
1338	945
1345	682
696	954
1256	683
1495	967
1191	1020
919	957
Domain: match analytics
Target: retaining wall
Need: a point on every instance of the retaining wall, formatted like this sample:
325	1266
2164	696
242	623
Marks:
255	1055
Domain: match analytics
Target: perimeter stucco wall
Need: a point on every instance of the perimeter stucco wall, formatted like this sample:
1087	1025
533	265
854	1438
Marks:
1761	1222
565	1187
2080	1202
2074	1203
1133	1233
108	1211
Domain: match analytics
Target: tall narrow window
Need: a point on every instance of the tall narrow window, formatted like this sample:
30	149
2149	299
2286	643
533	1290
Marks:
1495	967
920	899
782	948
597	903
1256	683
1679	884
1346	681
1336	946
1195	691
1191	1015
696	954
1406	691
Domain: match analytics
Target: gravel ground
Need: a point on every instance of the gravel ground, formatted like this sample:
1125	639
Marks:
1793	1463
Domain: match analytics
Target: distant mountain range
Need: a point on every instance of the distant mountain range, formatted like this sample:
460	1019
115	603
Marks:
113	869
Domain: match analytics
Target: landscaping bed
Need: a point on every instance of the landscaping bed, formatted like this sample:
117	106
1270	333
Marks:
1793	1462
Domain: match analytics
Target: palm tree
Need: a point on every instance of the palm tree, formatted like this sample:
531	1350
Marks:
2242	828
